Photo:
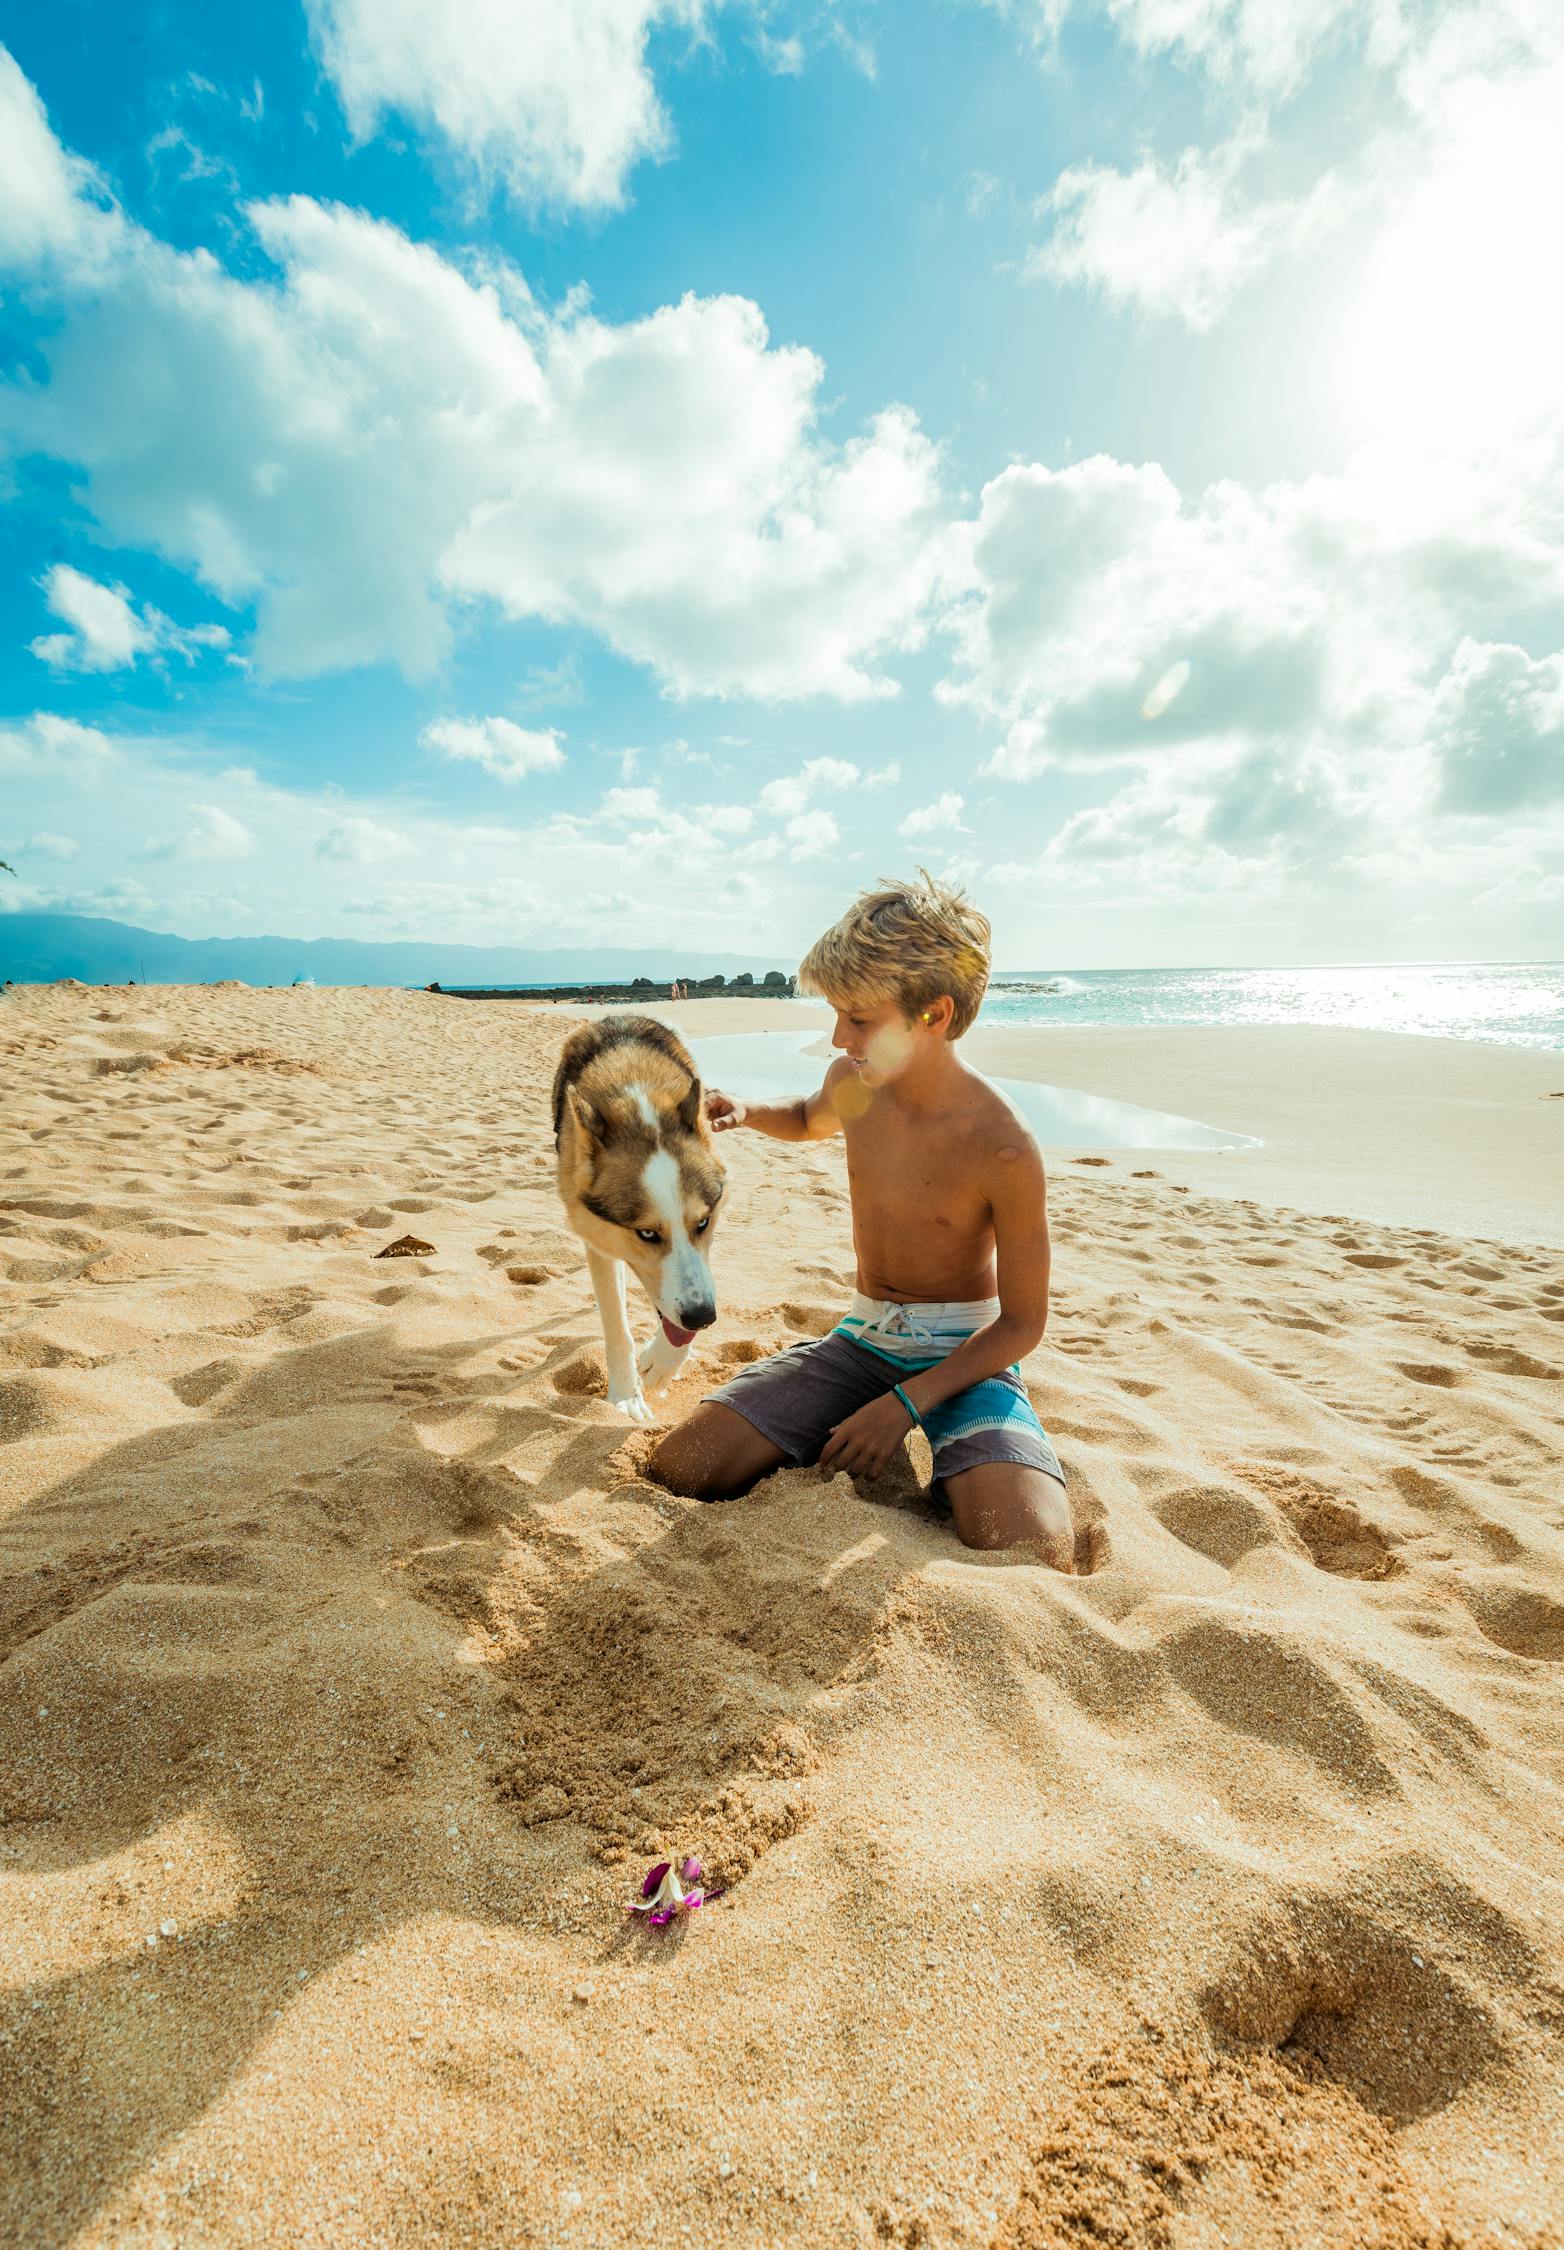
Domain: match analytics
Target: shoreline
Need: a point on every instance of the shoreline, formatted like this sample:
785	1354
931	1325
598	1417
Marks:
1398	1128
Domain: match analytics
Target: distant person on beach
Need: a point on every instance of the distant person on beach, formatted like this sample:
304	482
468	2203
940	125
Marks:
950	1227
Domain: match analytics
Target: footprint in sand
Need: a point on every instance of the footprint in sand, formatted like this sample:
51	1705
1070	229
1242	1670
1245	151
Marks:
1504	1359
1520	1619
1430	1371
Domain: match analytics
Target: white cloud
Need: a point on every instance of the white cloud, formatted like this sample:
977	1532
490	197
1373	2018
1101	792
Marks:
1300	683
1302	611
507	750
555	101
361	842
46	845
105	631
374	438
1256	50
47	743
49	207
938	819
1180	241
790	793
812	832
212	833
1498	729
1413	88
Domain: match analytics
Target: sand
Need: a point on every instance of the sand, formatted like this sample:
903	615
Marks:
354	1673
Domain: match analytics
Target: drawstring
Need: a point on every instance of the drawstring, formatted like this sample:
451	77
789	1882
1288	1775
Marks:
896	1320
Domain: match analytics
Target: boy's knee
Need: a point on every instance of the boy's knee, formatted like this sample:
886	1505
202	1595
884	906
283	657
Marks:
1055	1548
687	1465
1037	1516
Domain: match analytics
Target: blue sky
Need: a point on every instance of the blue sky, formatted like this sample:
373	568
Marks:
642	466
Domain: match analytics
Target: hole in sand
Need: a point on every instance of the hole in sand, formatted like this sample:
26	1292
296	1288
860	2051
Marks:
1520	1619
1336	1995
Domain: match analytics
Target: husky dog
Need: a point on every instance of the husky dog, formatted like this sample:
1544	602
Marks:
641	1184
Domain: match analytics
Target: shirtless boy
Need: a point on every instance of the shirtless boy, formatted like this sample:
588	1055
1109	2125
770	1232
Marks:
950	1227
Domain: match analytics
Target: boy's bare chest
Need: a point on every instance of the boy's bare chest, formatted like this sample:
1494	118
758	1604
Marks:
897	1170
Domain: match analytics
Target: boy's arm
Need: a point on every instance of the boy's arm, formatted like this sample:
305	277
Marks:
811	1118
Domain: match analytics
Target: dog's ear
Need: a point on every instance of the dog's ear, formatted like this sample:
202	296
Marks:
589	1121
690	1109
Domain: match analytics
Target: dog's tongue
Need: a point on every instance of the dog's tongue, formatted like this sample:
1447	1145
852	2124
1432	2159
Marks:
678	1337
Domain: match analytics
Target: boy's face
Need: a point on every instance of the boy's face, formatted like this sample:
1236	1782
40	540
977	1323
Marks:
878	1041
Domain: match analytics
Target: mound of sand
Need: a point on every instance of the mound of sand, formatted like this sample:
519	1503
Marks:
355	1671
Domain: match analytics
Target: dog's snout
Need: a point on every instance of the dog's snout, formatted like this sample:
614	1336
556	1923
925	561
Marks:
701	1314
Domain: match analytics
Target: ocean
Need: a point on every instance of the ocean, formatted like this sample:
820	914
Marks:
1506	1003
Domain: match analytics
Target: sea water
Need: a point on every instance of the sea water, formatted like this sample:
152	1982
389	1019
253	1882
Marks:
1509	1003
764	1066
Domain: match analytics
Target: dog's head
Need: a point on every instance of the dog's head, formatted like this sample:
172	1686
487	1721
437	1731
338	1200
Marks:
647	1186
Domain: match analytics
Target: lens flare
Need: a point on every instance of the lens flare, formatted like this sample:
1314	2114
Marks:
1167	690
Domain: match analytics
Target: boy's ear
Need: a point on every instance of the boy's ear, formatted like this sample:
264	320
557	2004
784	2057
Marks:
938	1014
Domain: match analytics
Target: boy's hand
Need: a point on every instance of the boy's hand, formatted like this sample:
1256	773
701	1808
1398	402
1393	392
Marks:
723	1113
866	1440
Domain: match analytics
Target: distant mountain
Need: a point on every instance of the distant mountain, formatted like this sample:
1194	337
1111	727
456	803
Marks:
38	948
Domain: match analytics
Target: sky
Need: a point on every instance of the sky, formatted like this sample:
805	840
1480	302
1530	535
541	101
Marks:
640	470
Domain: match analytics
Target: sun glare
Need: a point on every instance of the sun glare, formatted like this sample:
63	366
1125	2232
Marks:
1459	331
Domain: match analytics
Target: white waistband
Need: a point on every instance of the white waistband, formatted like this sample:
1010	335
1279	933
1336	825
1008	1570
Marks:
884	1316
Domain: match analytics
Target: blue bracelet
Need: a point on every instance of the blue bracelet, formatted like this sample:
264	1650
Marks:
917	1418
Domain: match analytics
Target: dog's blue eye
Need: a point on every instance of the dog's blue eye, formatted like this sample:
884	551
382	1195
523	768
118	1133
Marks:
648	1234
702	1224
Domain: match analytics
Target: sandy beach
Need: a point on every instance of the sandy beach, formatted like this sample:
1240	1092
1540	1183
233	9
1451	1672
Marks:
355	1673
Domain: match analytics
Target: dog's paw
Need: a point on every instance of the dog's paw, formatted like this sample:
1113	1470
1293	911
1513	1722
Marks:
660	1361
633	1407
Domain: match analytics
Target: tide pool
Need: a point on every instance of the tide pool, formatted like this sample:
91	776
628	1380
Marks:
764	1066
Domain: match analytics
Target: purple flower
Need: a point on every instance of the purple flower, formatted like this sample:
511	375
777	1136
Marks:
665	1894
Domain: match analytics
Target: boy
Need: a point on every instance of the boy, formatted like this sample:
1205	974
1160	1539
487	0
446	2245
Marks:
950	1227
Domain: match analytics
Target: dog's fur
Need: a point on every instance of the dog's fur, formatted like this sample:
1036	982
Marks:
636	1157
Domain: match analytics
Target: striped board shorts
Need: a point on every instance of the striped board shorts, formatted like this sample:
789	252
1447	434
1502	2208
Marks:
797	1398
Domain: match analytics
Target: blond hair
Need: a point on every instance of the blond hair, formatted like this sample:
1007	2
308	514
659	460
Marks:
908	942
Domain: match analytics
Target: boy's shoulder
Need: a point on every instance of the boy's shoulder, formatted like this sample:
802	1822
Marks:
993	1123
996	1129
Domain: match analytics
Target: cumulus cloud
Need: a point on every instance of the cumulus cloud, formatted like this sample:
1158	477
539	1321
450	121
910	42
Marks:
790	793
812	832
1498	729
1265	51
1178	240
361	842
938	819
48	744
1292	681
105	632
556	103
505	749
1181	238
1110	621
212	833
51	207
373	438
